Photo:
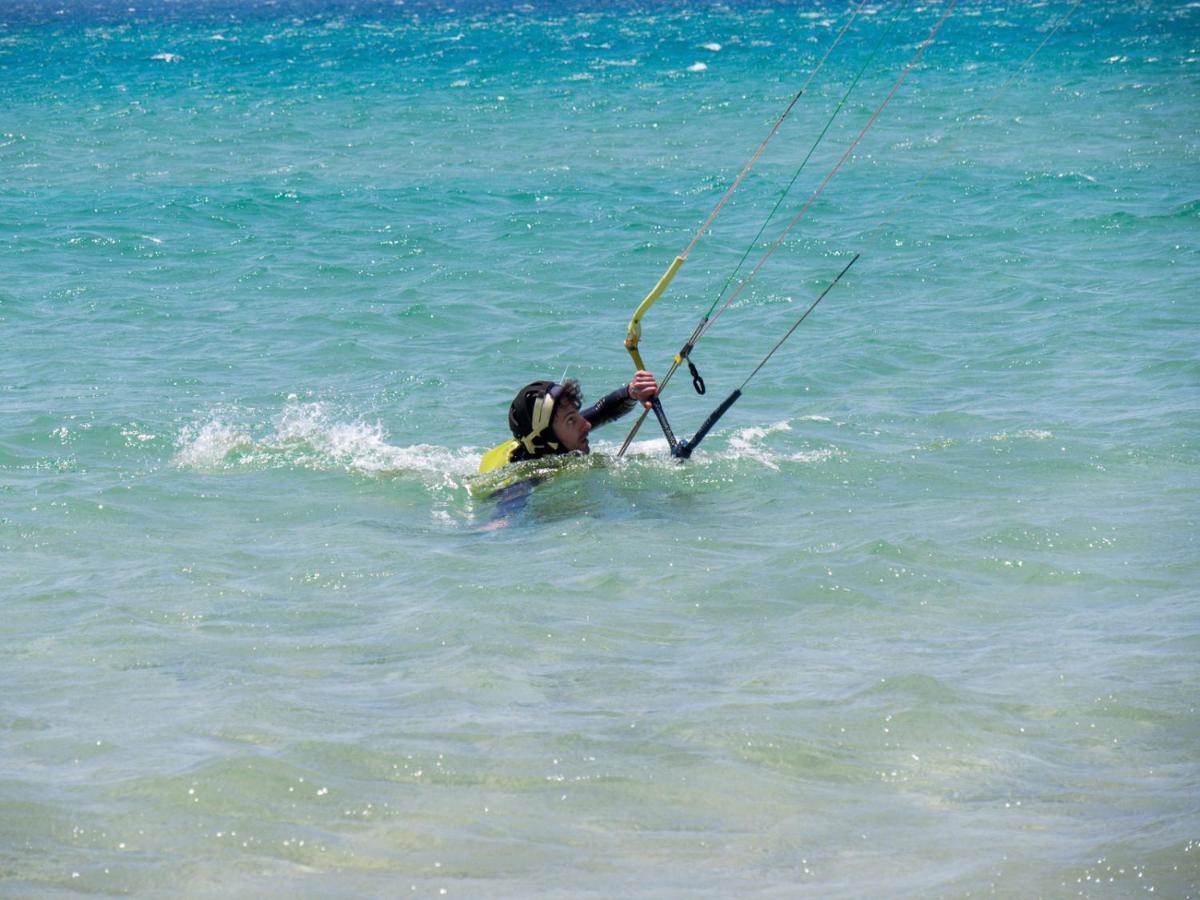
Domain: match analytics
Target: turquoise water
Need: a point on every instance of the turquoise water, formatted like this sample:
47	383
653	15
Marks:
920	618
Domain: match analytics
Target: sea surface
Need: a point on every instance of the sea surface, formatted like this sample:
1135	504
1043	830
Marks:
920	618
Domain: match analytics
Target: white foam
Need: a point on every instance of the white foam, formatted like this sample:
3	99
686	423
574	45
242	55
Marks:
167	57
697	67
758	432
313	435
208	445
361	446
713	46
649	448
743	443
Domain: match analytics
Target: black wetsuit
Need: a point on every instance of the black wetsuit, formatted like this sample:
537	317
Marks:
609	407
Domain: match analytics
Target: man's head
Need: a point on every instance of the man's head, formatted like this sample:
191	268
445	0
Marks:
544	417
570	428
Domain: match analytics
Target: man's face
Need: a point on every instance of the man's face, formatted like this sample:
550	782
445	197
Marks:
570	428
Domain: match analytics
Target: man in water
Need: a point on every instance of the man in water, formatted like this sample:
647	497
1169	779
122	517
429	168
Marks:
547	419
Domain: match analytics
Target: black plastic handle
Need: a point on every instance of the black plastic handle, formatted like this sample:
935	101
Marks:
683	449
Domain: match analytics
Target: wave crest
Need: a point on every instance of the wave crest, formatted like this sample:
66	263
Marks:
313	435
752	443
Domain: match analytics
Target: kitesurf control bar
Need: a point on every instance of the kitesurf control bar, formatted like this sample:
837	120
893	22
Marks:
683	449
656	405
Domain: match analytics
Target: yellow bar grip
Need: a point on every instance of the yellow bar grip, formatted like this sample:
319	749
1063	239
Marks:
634	334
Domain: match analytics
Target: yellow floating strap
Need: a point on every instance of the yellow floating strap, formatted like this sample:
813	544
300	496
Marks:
498	456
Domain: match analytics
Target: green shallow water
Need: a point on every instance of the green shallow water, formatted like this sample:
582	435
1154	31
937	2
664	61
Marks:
918	619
